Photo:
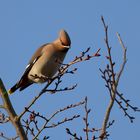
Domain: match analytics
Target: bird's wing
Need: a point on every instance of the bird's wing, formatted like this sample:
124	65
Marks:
32	61
37	54
24	81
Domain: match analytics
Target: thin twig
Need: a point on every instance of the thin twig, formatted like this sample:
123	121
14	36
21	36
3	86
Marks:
63	121
124	58
35	99
52	91
74	135
47	120
113	87
86	130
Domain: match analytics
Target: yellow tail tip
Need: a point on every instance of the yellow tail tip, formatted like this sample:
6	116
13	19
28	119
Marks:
10	91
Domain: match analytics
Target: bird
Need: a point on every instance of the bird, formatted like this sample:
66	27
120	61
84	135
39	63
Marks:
45	62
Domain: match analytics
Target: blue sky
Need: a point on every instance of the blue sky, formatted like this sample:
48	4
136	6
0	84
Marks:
25	25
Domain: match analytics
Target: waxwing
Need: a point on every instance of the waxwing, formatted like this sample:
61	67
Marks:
45	62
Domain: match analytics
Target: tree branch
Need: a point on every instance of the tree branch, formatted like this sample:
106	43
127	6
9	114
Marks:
113	84
35	99
12	114
124	58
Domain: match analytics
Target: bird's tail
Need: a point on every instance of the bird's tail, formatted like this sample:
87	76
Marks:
19	85
13	89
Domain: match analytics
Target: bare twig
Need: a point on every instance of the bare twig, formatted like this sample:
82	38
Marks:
63	121
3	136
47	121
74	135
53	91
126	101
57	112
4	118
112	80
131	118
35	99
7	138
86	130
28	128
124	58
113	84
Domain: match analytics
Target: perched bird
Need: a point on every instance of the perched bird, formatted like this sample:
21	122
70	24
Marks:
45	62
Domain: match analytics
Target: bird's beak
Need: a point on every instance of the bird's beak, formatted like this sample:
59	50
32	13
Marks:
67	47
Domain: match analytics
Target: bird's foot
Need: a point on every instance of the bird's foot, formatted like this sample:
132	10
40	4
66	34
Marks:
42	78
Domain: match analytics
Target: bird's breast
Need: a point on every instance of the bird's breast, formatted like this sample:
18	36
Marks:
45	67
